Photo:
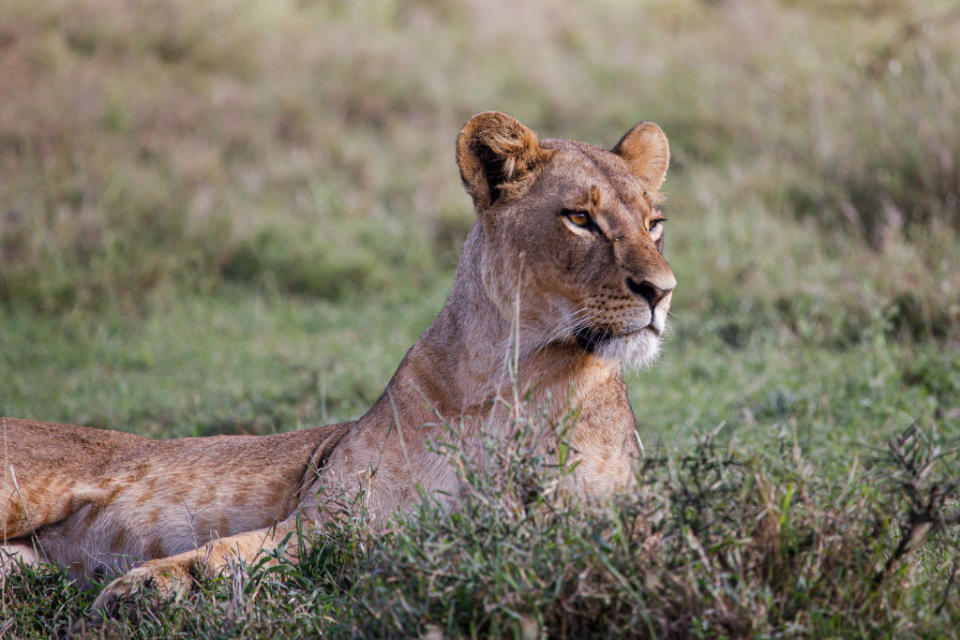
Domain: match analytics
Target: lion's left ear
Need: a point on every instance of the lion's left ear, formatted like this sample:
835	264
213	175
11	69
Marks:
645	150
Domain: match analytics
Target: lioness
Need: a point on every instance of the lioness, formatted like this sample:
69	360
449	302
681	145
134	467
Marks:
561	283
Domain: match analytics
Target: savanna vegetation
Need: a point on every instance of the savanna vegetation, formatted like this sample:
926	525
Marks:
236	216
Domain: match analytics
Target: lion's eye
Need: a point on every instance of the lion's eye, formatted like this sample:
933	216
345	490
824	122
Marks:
656	226
579	218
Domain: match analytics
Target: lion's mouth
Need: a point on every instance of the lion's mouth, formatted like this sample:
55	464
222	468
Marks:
589	338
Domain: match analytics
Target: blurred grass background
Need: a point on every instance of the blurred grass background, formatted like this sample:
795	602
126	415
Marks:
236	216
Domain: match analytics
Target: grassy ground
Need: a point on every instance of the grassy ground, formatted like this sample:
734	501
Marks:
237	218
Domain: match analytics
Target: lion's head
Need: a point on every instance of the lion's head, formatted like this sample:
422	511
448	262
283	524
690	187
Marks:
572	238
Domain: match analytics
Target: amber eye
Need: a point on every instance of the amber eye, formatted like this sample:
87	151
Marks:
655	226
579	218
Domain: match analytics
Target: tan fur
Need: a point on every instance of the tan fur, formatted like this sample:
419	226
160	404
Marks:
540	306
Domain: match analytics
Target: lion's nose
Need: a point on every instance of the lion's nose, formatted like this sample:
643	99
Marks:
649	291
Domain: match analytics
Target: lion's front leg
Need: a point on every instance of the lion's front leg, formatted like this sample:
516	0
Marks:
174	576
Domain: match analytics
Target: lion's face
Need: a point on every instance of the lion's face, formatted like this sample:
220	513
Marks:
573	237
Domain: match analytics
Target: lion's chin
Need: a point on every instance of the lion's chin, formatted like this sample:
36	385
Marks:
633	351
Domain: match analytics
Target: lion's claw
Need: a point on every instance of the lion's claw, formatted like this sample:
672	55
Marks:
161	580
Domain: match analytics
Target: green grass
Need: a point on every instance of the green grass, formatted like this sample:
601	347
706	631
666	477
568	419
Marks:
715	543
236	362
237	220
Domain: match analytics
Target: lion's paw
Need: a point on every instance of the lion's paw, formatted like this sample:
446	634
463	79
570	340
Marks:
155	578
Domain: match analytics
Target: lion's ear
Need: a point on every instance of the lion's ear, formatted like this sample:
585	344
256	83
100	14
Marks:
645	150
496	153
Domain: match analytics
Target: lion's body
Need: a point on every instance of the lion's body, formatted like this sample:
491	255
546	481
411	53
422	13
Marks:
108	500
560	283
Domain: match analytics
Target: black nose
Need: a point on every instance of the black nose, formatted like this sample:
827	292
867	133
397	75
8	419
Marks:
649	291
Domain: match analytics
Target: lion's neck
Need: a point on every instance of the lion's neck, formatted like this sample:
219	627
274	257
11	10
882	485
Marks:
466	360
457	381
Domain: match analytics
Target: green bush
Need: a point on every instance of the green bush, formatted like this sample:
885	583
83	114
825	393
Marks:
714	543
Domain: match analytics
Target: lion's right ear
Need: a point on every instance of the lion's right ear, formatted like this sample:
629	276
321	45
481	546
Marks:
496	155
